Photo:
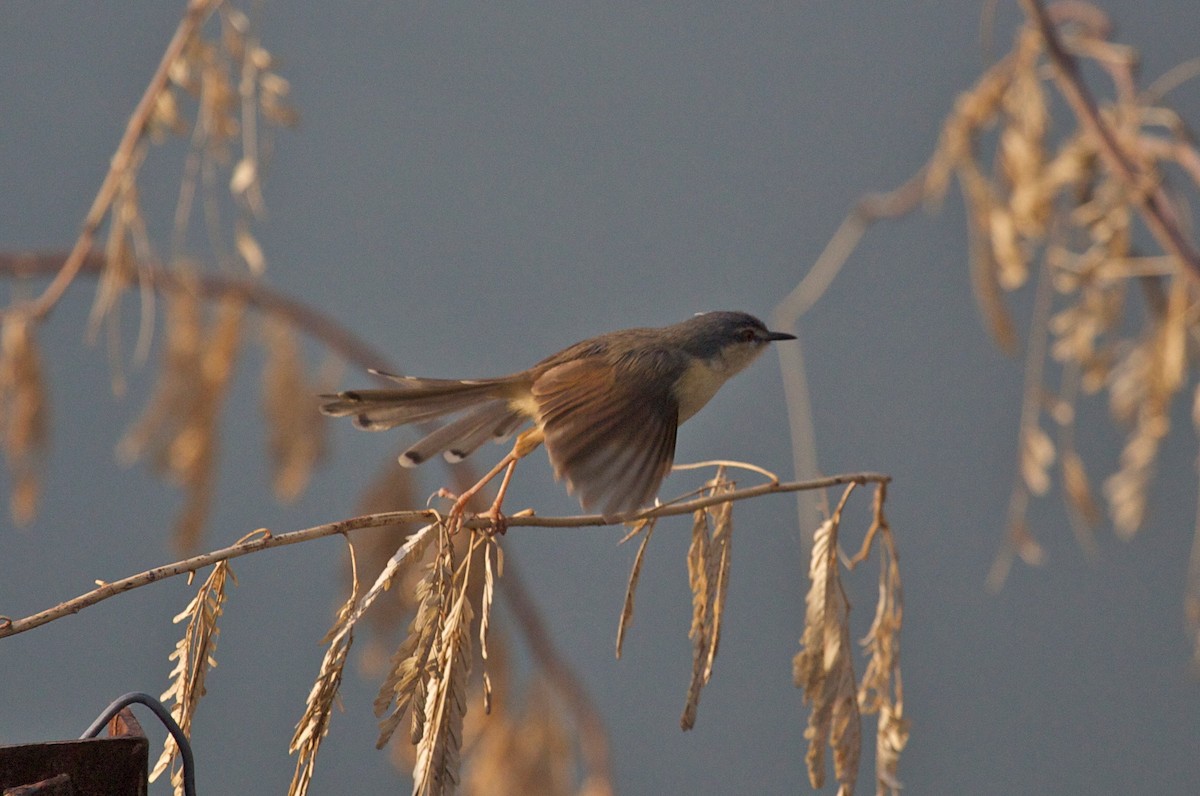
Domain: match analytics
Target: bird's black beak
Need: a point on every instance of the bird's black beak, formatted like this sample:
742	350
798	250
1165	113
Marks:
773	336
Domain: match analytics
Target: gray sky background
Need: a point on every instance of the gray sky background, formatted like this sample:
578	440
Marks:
474	186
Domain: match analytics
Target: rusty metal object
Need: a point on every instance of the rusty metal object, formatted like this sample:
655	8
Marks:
112	766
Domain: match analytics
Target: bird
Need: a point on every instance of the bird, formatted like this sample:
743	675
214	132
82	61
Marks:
607	408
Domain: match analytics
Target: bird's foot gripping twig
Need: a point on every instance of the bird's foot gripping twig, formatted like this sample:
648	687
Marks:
525	443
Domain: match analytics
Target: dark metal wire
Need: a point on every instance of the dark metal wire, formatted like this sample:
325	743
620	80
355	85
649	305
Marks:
164	715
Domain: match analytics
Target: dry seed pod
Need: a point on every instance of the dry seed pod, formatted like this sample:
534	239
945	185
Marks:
23	412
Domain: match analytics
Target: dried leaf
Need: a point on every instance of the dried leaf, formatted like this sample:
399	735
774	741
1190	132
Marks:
440	739
406	679
194	655
646	526
822	667
708	574
314	724
485	613
882	691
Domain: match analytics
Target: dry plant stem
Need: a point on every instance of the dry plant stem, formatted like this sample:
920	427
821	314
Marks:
869	209
877	524
11	627
1157	209
254	293
646	528
197	12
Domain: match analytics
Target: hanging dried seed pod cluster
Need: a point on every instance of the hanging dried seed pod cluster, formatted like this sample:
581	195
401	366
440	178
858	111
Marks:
296	430
23	414
179	429
709	558
824	666
1068	204
194	655
216	69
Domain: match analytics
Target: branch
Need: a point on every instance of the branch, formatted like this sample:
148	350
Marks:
869	209
11	627
1155	205
197	12
255	293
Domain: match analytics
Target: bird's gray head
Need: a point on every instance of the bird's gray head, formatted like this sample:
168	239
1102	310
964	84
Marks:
736	335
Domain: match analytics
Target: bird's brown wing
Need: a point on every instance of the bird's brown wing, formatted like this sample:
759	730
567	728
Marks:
610	429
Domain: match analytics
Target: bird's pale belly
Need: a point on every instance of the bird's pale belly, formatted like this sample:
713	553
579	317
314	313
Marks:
699	383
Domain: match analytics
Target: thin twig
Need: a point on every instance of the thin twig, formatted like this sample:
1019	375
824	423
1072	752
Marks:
1156	207
869	209
11	627
253	292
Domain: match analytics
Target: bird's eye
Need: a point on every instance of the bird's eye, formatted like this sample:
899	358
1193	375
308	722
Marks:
749	335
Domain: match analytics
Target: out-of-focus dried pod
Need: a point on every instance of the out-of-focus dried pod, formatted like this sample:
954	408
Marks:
1010	255
245	173
1126	490
166	118
272	83
1127	383
178	428
1077	488
529	753
1037	454
1171	350
1026	546
1022	142
296	434
248	248
23	413
260	57
973	110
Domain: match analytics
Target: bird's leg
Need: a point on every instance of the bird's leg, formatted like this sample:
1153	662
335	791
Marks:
526	442
493	513
460	504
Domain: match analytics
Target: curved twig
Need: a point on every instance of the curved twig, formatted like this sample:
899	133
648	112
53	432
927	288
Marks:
11	627
253	292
